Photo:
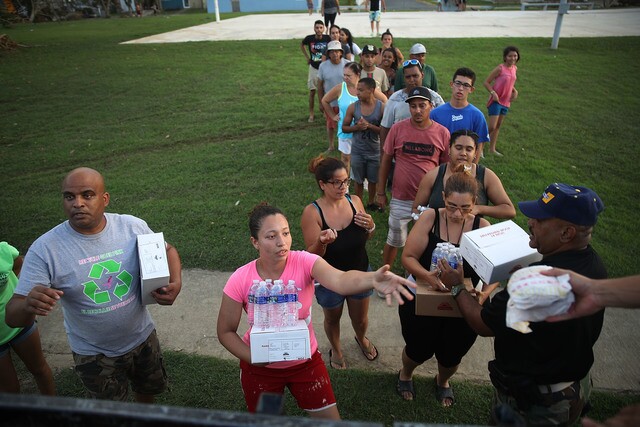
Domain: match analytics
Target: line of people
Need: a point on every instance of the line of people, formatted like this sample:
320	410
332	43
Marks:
543	377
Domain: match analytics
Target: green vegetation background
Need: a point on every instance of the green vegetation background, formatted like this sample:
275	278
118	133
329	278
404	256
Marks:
190	136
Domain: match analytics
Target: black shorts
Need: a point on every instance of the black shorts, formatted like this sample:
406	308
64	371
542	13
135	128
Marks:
449	338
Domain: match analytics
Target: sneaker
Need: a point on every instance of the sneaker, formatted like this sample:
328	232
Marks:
497	153
381	295
372	34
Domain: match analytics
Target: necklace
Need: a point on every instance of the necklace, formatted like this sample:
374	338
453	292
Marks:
446	222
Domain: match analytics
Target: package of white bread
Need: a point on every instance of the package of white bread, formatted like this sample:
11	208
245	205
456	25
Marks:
533	297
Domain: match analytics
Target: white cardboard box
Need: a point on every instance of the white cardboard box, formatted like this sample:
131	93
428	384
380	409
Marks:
154	267
495	252
277	345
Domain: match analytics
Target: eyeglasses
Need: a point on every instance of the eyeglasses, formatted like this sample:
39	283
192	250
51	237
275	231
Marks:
453	209
410	62
458	83
339	184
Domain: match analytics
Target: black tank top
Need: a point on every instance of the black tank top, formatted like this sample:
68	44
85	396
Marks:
436	201
348	251
434	239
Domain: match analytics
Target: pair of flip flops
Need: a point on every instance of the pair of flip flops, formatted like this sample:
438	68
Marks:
406	387
371	352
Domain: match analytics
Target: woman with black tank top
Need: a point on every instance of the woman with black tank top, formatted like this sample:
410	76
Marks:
448	338
350	227
492	199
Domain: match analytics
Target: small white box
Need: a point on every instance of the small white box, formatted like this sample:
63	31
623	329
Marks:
154	267
281	344
496	251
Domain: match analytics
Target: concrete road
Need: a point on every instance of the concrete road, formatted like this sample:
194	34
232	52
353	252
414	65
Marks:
587	23
190	326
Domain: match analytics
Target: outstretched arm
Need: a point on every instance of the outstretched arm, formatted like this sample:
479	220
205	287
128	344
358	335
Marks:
594	295
354	282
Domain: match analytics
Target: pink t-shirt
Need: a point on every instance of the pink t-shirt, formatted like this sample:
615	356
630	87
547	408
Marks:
504	84
298	268
416	151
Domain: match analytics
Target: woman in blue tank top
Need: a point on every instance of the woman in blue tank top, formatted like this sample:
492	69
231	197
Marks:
349	229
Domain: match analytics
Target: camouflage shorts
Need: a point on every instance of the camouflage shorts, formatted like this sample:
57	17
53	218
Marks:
562	408
108	377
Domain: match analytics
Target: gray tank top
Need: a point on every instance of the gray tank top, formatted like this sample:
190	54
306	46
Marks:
366	142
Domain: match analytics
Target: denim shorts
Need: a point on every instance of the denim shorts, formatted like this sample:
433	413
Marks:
329	299
496	109
22	335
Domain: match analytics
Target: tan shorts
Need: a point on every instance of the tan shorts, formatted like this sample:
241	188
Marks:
312	78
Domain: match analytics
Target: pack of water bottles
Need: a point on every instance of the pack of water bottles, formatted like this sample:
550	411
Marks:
448	251
277	333
272	304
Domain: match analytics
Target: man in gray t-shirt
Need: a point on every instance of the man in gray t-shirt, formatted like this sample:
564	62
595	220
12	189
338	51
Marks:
90	264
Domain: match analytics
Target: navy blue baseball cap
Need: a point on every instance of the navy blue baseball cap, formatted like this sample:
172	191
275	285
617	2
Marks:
577	205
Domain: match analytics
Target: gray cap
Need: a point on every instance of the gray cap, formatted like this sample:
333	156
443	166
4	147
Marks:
417	49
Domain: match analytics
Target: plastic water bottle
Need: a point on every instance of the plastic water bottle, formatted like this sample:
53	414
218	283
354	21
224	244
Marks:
436	255
261	306
291	304
251	301
454	258
276	305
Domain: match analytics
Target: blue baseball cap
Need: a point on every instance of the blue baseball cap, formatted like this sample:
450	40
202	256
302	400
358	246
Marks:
577	205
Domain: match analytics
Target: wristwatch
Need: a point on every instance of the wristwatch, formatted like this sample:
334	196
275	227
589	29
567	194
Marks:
455	290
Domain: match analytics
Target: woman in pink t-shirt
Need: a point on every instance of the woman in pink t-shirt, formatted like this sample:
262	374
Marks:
501	86
307	380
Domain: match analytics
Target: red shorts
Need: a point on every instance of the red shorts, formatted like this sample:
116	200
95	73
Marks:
308	382
332	124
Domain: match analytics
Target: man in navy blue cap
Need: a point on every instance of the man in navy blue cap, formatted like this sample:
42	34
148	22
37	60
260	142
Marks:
544	376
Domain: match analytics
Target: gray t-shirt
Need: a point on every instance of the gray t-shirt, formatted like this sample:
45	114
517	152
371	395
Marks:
397	108
100	277
331	75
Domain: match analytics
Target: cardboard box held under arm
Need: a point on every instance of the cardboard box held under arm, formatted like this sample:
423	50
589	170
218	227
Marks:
154	266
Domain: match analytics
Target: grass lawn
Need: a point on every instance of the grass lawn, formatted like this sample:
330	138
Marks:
204	382
190	136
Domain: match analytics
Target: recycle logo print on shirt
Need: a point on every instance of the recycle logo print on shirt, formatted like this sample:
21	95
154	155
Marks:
93	291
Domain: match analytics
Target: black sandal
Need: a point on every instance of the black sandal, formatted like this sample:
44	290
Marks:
405	387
